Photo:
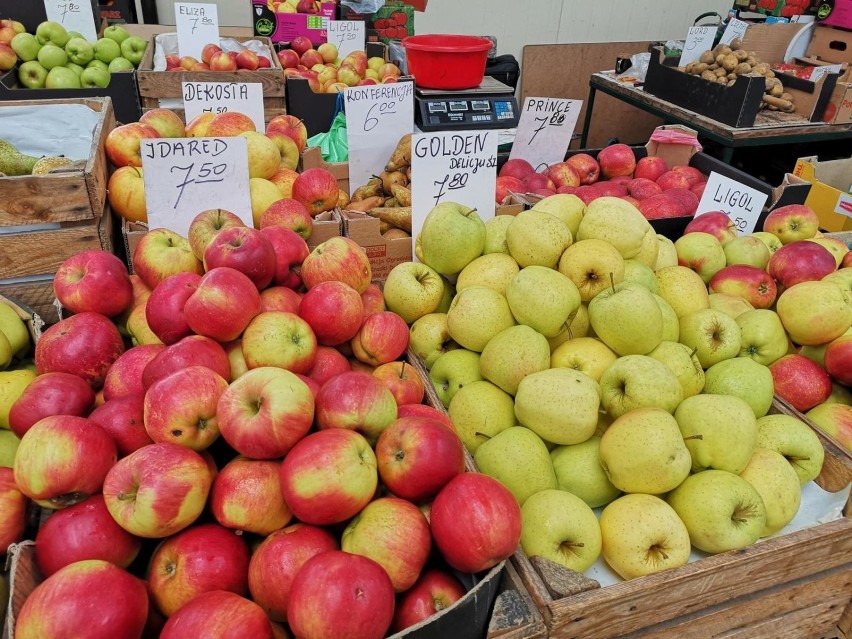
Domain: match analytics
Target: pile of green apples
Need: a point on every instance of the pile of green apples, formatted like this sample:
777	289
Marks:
54	58
585	366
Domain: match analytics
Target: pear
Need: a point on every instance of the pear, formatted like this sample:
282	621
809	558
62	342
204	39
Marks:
627	318
400	159
480	410
453	235
518	459
48	164
513	354
543	299
683	363
539	238
13	162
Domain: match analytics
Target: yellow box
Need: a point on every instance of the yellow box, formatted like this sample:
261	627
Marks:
829	195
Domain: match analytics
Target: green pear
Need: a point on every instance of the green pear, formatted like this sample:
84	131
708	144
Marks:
542	299
513	354
744	378
429	338
778	484
796	441
683	363
568	208
8	447
452	371
644	452
627	318
495	234
638	381
13	162
683	289
494	270
578	470
720	431
453	235
518	459
593	265
537	238
481	410
615	221
541	400
714	336
476	315
639	273
671	323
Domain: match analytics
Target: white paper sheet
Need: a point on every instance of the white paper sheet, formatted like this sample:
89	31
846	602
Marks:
167	44
50	129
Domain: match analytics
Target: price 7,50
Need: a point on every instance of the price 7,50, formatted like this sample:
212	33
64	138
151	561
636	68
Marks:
450	183
206	173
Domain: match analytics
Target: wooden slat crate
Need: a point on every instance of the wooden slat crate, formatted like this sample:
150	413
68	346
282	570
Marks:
515	615
64	196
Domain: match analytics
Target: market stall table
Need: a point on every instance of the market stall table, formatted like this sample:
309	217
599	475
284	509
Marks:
772	130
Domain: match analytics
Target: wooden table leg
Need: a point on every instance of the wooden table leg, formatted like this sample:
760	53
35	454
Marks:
587	121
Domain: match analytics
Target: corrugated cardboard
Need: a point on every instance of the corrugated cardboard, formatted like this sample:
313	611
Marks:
831	45
326	226
771	41
829	195
312	159
383	253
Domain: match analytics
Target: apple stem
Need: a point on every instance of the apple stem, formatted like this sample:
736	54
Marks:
478	434
694	351
612	281
694	437
402	371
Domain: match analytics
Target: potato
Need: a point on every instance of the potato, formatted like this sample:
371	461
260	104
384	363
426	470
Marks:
731	76
742	68
777	91
786	96
731	83
700	67
720	73
770	73
713	66
707	57
741	55
719	58
717	50
688	68
709	75
736	44
752	61
722	80
729	62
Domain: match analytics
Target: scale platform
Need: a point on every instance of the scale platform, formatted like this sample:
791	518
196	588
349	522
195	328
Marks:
491	105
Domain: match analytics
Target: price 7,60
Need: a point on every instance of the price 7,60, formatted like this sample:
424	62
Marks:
206	173
450	183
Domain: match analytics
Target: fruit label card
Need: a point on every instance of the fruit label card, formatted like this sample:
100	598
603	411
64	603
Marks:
452	166
735	29
377	116
74	16
347	36
185	176
698	40
741	203
221	97
197	25
545	130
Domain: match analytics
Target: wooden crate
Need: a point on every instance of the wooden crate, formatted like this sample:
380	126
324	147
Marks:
515	615
65	196
166	85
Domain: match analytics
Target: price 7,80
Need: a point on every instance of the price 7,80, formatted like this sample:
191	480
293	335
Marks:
207	172
557	119
68	7
450	183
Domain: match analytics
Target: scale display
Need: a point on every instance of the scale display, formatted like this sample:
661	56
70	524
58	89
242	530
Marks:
490	106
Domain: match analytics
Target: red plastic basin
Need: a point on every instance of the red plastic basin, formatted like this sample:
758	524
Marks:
446	61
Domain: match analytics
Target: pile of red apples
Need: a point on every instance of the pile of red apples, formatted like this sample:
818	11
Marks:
213	58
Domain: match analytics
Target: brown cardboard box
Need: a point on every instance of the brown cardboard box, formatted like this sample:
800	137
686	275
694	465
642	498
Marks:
326	226
383	253
831	45
830	195
312	159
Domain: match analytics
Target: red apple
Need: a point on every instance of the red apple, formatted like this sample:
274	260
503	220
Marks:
800	381
333	310
698	189
289	251
123	143
246	496
586	167
716	223
244	249
289	214
611	188
838	359
356	401
283	340
93	599
338	258
402	380
434	591
311	383
264	412
300	44
194	350
516	168
476	522
94	281
83	531
123	419
280	298
218	615
750	283
164	308
507	185
538	181
686	198
643	188
208	52
382	338
223	304
693	175
373	300
291	126
847	260
288	58
50	394
422	410
674	180
13	510
616	160
160	253
660	206
247	59
172	62
206	225
329	476
317	190
587	193
337	595
563	174
800	261
329	362
650	168
222	61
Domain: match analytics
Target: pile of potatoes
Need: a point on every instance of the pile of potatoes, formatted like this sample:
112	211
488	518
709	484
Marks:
725	63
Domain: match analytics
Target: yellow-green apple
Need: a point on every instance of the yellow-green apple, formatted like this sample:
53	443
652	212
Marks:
721	510
792	223
9	443
771	241
795	440
640	273
547	313
165	122
494	270
584	354
714	335
338	258
62	459
616	160
199	125
641	535
316	189
265	412
13	520
85	344
627	318
229	124
747	250
835	420
682	361
402	380
649	252
683	289
513	354
329	476
839	395
93	598
160	253
716	223
264	156
50	394
244	249
433	592
123	419
206	225
615	221
123	143
234	350
579	472
333	310
430	338
762	336
476	314
93	280
193	350
393	533
720	431
800	381
382	338
291	127
751	283
164	307
328	363
453	235
778	485
838	359
223	304
480	410
579	327
215	614
452	371
280	298
157	490
539	396
289	214
495	234
561	527
181	568
337	595
702	253
283	340
356	401
328	52
592	265
137	327
814	313
671	324
800	262
666	253
289	251
568	208
842	277
276	561
126	192
13	384
744	378
537	238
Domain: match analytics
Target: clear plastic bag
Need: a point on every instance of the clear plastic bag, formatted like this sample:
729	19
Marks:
363	7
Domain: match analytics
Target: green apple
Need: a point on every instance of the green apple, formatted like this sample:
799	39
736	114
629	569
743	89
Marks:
32	75
579	327
494	270
50	56
63	78
721	510
561	527
720	431
773	243
627	318
543	299
75	34
452	371
512	354
666	253
579	471
76	68
495	234
593	265
639	381
814	313
778	485
50	32
649	251
615	221
133	48
796	441
120	64
744	378
762	336
476	315
671	323
518	459
683	289
639	273
413	290
95	78
107	50
481	410
537	238
641	535
713	335
702	253
540	405
732	305
447	297
568	208
97	64
643	452
8	445
747	249
683	363
116	32
453	235
79	51
584	354
842	277
429	338
26	46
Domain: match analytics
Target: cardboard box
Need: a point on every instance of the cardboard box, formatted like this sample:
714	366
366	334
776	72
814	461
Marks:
312	159
831	45
810	98
830	195
383	253
283	27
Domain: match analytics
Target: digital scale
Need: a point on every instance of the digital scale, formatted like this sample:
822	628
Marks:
491	105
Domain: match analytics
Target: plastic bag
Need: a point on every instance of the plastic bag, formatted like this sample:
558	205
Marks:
363	7
334	144
638	67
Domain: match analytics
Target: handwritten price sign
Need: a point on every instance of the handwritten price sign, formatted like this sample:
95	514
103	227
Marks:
545	130
197	25
698	40
735	29
457	166
220	97
184	176
74	16
347	36
741	203
377	116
